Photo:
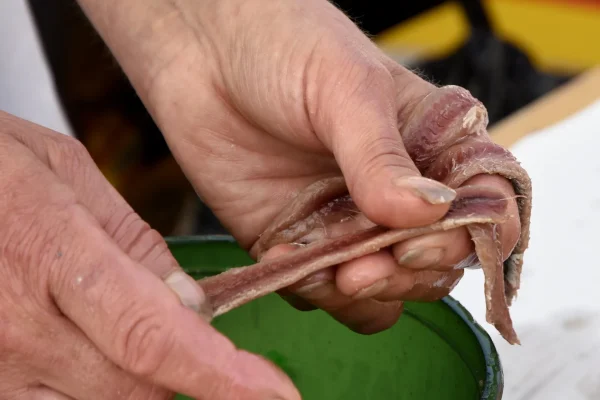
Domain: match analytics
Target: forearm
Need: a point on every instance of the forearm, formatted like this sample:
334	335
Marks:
144	36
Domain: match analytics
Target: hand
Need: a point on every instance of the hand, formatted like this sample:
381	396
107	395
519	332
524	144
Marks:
258	99
92	303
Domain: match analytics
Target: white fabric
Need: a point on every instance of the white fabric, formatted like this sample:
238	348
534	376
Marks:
557	313
26	88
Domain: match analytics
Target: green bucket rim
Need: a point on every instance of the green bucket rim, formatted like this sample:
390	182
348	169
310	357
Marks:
494	373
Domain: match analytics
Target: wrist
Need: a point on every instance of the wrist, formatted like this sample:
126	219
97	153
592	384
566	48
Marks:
145	37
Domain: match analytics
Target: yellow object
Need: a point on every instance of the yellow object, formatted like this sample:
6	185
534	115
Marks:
559	36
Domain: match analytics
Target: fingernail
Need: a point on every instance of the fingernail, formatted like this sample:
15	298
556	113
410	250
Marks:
317	290
310	287
190	293
422	258
429	190
410	256
372	290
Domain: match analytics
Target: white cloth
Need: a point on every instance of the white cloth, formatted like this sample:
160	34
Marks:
557	313
26	88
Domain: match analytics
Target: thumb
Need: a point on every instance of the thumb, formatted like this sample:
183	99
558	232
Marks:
360	127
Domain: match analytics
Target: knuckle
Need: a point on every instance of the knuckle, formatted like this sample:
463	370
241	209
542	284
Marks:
383	152
142	243
70	250
128	229
31	238
151	239
363	80
35	218
68	156
143	341
358	73
72	146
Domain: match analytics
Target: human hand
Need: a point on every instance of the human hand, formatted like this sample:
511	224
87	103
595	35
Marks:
259	99
92	303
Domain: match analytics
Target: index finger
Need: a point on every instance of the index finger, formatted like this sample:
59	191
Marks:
140	324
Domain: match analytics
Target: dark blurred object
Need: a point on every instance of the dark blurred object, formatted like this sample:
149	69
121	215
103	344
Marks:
376	16
496	72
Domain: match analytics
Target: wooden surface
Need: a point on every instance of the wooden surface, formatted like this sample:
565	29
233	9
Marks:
551	109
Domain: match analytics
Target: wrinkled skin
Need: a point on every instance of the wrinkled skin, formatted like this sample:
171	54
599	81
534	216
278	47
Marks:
446	136
258	99
252	134
84	310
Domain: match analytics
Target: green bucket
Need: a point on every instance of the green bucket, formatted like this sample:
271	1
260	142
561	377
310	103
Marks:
436	351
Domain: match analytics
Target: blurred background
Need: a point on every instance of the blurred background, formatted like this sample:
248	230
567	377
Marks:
508	53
